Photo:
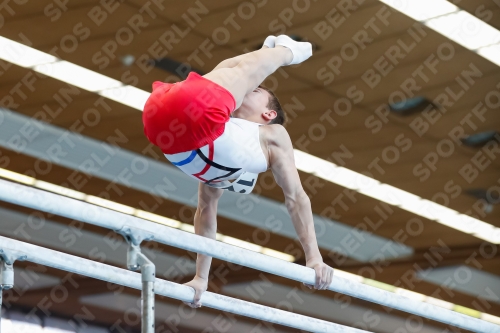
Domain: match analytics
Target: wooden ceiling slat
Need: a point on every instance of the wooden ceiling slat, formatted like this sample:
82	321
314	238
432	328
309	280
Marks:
175	11
445	73
40	8
93	54
66	32
346	63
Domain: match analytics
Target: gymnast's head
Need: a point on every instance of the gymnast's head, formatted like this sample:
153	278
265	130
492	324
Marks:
261	106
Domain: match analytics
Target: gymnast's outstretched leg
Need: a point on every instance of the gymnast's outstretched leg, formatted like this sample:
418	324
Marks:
242	74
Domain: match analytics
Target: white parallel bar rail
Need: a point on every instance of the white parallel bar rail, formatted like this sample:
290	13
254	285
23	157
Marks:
96	270
106	218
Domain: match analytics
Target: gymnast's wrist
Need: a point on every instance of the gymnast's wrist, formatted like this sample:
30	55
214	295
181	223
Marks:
199	277
312	253
313	260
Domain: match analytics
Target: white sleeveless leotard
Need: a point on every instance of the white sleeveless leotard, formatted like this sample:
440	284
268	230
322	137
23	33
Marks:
235	155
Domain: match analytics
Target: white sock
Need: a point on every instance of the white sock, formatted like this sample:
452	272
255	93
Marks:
301	50
269	41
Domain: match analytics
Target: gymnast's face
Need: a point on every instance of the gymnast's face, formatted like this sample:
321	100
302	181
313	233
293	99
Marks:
254	107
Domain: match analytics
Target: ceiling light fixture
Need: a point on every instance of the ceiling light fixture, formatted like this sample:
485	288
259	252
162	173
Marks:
411	105
480	139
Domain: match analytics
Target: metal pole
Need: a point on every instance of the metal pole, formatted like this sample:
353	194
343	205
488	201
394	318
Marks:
1	302
135	260
147	295
6	282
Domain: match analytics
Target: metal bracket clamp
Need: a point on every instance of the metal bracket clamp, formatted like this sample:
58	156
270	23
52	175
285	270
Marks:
136	259
6	276
7	259
135	236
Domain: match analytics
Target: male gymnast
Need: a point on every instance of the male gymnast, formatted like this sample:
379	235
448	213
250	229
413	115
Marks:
223	129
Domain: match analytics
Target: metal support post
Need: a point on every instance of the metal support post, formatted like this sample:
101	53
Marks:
147	295
6	275
135	260
6	281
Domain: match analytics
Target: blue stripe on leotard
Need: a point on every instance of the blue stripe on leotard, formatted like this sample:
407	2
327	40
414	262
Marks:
187	160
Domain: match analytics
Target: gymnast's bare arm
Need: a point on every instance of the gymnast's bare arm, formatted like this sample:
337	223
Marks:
205	224
279	149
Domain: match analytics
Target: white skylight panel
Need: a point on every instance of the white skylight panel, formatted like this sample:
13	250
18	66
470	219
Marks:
455	222
187	227
421	10
439	302
403	199
465	29
345	177
278	254
60	190
314	165
489	233
492	53
464	223
410	294
348	276
157	218
327	171
241	243
127	95
360	181
17	177
383	192
434	211
78	76
414	206
23	55
455	24
490	318
306	162
377	191
481	227
110	204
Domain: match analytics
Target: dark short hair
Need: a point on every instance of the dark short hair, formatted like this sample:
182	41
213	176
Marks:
274	104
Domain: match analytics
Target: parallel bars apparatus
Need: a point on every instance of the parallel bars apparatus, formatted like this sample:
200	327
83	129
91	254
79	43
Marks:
136	230
16	249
